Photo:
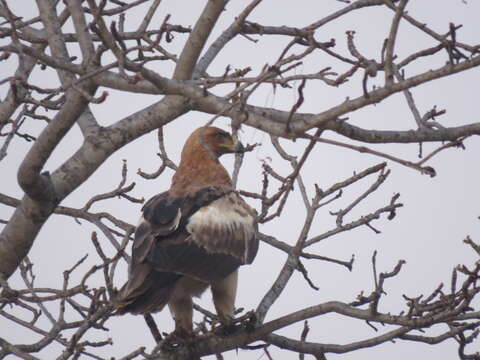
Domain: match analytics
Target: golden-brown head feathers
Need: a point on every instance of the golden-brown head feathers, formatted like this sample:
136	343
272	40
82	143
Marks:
211	139
199	166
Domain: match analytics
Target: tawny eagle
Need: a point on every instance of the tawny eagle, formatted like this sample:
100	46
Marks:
192	237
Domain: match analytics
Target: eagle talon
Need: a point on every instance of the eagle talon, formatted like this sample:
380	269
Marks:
227	327
176	340
230	326
250	321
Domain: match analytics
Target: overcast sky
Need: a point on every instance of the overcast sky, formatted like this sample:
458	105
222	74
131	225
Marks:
438	212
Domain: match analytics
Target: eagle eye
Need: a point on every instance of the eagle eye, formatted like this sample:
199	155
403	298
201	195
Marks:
222	135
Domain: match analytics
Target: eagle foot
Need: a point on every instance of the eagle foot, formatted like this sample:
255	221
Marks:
250	321
227	327
232	326
176	340
247	322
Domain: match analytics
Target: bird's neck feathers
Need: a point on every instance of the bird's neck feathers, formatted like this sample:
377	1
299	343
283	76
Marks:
199	168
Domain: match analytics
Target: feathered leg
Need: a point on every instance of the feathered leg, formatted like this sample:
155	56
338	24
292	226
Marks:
224	292
182	310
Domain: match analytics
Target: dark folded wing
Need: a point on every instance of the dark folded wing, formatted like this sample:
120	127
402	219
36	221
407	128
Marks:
164	216
148	288
188	258
210	243
206	236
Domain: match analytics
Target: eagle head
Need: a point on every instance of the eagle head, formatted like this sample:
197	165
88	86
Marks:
214	140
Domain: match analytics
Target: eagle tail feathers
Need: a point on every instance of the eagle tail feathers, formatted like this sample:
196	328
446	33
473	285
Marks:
146	293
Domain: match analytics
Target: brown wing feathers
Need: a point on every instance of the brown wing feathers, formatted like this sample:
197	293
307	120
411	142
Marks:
161	255
193	260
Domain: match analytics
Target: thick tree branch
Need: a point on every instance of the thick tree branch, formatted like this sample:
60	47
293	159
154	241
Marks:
196	41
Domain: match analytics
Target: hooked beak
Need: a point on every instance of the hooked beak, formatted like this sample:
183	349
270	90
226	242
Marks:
238	146
233	145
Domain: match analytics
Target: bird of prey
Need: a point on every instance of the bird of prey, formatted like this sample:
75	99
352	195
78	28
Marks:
191	237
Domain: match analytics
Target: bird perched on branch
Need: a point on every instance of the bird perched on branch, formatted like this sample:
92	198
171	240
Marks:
192	237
